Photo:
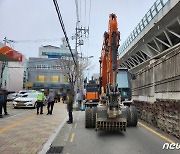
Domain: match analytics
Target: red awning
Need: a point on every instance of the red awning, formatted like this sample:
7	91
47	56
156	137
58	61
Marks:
9	54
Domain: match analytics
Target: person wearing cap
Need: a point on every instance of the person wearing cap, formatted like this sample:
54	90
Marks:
70	99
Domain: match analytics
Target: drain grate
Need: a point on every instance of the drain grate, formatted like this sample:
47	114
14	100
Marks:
55	150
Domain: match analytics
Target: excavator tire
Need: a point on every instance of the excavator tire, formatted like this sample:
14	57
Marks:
127	114
134	117
94	110
88	117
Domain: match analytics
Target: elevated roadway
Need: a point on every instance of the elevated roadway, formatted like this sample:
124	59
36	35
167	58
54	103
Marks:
153	37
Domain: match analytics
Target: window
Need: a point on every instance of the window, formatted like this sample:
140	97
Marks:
65	79
41	78
38	66
55	79
44	66
58	67
122	79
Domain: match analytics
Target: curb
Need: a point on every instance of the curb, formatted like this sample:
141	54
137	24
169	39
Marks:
47	145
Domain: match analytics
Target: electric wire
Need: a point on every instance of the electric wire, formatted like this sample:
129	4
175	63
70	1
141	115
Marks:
63	28
89	14
36	41
85	13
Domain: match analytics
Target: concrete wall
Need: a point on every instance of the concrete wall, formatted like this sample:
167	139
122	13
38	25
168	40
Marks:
160	79
156	92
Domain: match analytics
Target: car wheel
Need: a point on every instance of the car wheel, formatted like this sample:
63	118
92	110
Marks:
88	116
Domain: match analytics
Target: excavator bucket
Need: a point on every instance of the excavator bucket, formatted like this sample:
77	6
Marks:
111	125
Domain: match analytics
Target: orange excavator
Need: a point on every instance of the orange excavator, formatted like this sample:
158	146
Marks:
114	111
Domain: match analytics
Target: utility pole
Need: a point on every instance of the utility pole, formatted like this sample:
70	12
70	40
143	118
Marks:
80	33
3	64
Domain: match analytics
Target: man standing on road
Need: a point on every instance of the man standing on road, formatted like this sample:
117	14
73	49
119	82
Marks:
70	100
50	100
5	102
79	99
40	101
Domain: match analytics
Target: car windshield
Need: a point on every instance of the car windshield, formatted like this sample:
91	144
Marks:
31	95
22	92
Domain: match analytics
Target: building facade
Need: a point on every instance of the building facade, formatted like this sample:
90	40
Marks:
47	71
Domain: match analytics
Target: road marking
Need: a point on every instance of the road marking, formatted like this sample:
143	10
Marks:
158	134
75	125
2	130
14	115
72	137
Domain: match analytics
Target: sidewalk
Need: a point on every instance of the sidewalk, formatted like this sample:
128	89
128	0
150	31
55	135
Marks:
27	133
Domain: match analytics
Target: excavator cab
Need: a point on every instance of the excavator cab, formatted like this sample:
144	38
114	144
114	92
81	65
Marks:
124	84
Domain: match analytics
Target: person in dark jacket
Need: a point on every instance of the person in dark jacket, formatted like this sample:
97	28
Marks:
1	103
70	100
5	103
51	99
64	97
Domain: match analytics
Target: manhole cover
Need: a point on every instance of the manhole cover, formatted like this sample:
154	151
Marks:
55	150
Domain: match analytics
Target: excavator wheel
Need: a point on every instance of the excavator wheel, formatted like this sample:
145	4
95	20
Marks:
88	117
134	117
94	110
127	114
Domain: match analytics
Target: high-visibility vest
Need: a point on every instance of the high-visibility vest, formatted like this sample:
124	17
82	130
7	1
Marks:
40	97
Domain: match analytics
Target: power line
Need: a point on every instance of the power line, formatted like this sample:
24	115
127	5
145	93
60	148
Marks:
85	13
89	14
63	28
36	41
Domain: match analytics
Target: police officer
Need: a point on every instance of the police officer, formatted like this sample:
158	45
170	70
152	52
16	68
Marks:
40	101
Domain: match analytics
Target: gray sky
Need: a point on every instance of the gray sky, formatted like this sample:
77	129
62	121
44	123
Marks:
37	19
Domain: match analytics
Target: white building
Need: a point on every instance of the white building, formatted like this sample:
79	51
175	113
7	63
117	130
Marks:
14	75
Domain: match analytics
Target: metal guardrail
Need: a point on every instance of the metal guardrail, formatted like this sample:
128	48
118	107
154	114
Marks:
153	11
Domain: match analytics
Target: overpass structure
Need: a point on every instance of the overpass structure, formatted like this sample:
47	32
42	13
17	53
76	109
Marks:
152	52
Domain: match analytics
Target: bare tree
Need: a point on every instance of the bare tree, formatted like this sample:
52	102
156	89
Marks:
74	74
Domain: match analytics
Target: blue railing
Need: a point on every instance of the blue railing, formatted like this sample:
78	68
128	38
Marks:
153	11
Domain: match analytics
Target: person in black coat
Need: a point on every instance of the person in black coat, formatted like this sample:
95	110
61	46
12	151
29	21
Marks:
70	100
5	102
1	103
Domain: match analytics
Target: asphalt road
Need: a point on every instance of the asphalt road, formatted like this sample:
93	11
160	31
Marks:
76	139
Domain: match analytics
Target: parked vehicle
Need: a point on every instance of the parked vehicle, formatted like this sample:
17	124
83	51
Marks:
22	92
26	100
11	95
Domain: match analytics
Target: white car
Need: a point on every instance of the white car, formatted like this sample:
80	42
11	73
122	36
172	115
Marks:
11	96
26	100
